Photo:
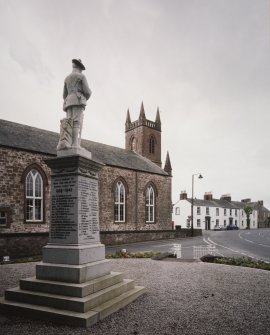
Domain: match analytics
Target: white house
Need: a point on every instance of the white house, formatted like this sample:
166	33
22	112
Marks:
209	213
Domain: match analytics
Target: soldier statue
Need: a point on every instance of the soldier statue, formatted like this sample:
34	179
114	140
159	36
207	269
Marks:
76	93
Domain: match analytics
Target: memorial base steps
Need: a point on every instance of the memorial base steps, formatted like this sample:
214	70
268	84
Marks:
71	289
108	294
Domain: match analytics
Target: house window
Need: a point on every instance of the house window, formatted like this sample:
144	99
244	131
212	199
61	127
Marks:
236	222
225	211
225	223
198	222
34	196
150	205
230	211
217	211
152	145
3	218
242	212
198	210
236	212
207	210
242	223
119	202
217	222
177	211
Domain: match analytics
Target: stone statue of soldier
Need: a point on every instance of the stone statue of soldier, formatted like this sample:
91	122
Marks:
76	93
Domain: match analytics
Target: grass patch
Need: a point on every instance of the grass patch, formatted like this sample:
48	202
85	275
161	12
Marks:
121	254
243	261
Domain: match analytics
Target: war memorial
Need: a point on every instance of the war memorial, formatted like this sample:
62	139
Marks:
74	283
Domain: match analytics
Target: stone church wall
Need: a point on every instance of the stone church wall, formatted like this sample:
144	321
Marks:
136	183
13	164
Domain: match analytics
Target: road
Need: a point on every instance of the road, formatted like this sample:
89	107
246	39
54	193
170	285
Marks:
249	243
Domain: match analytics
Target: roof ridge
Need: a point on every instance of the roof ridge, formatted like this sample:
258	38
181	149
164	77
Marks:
29	138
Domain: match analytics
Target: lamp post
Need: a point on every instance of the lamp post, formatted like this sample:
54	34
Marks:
192	200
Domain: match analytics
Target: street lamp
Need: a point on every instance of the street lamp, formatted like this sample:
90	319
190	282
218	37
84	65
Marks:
192	200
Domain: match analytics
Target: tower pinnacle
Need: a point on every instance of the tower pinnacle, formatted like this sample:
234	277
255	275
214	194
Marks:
142	113
168	166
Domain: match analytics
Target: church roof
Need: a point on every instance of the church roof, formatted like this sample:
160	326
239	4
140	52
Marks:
19	136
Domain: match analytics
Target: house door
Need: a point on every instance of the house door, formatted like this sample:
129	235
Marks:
207	223
230	221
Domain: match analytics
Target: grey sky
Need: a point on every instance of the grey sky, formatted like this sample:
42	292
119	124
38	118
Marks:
205	63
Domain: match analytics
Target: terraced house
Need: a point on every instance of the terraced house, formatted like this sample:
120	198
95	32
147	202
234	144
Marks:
210	213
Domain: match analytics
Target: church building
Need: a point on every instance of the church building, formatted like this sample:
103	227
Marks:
134	187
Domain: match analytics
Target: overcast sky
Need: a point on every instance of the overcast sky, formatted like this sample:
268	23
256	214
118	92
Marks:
205	63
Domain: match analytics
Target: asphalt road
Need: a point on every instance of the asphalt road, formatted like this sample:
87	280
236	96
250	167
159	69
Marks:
249	243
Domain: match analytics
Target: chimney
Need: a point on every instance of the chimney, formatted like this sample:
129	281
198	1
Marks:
183	195
246	200
208	196
226	197
260	202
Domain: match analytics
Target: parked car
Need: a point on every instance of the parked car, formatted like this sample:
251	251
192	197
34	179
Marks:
217	228
232	227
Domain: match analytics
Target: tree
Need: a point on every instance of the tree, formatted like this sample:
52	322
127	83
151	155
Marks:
248	210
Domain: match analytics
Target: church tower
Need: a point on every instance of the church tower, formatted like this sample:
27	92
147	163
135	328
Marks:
144	136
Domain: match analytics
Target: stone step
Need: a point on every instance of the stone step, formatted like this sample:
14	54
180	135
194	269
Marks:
73	273
71	318
74	304
119	302
71	289
48	313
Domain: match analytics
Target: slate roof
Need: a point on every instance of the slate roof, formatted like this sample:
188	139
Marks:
256	206
213	203
28	138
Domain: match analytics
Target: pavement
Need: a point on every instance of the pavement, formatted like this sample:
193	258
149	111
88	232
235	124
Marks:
182	298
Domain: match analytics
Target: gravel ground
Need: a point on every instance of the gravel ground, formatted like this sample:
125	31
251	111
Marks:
182	298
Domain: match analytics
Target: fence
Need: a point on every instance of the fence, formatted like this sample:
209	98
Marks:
202	250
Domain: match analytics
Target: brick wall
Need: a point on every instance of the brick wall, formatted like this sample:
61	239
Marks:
125	237
13	164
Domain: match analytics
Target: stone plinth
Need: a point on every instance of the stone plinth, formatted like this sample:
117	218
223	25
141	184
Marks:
74	284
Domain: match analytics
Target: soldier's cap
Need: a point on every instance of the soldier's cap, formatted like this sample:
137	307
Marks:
79	63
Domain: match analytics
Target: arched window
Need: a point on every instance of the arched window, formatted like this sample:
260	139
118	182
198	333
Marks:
133	143
34	196
119	202
152	145
150	204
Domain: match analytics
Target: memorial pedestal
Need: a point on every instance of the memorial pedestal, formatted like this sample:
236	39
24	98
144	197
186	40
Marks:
74	284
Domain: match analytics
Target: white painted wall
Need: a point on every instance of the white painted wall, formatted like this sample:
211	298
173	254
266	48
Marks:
220	217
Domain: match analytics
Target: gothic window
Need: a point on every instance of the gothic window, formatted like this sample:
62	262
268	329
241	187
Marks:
133	143
34	196
150	204
152	145
119	202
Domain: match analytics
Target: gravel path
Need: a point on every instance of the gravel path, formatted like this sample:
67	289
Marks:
182	298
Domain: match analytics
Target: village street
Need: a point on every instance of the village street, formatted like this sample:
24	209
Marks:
235	243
